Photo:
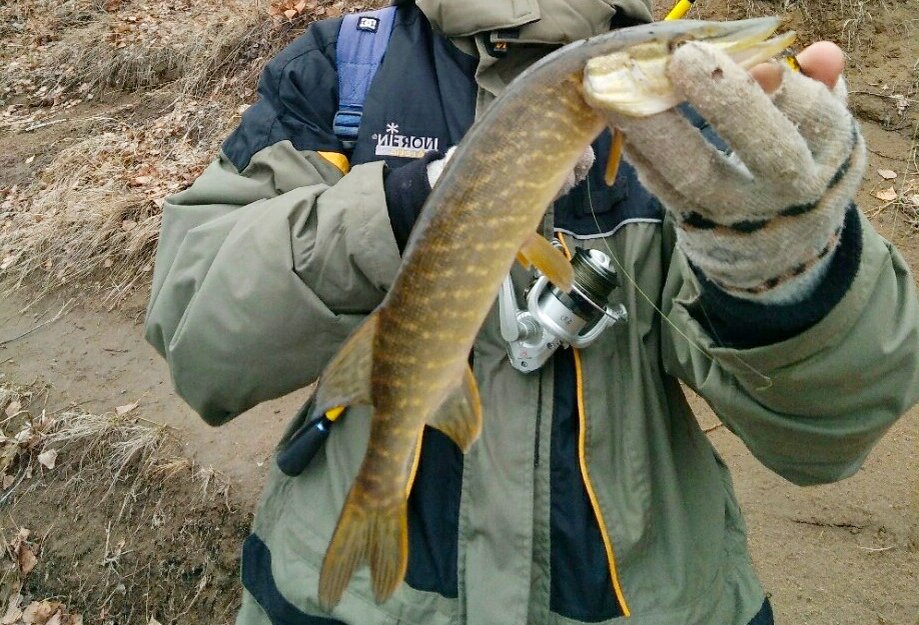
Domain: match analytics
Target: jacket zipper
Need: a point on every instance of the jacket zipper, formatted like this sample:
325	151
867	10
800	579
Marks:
585	474
538	424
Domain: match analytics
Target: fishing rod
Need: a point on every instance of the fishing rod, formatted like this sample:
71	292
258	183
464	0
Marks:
680	9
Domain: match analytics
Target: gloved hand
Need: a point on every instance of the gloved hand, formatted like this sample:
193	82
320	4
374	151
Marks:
762	222
436	168
581	169
579	173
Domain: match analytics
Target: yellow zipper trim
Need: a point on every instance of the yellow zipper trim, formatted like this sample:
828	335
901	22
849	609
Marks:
582	440
585	474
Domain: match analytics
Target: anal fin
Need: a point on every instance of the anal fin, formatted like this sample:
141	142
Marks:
538	252
460	416
346	379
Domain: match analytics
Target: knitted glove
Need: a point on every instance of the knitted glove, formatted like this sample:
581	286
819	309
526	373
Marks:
581	169
579	173
763	221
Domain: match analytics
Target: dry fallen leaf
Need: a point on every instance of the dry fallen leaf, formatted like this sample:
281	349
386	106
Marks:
57	619
887	174
887	195
8	481
123	410
13	408
27	560
75	619
38	612
48	458
13	611
153	621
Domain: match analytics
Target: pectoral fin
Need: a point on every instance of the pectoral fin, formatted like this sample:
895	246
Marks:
460	416
346	379
538	252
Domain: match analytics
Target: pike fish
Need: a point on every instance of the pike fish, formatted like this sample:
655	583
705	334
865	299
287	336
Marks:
408	360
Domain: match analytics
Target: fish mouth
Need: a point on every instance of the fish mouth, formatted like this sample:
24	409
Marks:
634	81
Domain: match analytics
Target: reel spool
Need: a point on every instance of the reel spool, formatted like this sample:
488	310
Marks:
554	318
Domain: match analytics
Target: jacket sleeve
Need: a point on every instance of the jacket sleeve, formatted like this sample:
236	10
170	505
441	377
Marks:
810	407
270	259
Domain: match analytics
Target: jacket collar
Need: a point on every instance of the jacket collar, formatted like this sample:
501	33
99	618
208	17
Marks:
537	27
539	21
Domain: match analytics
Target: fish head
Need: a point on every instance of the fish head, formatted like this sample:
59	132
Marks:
633	81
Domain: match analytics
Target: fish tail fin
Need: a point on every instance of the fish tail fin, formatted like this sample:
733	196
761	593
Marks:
346	379
347	551
389	550
365	534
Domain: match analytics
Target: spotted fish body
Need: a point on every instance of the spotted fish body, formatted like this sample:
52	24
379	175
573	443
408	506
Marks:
409	359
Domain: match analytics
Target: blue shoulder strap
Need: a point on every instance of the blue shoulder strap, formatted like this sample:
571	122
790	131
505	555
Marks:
361	46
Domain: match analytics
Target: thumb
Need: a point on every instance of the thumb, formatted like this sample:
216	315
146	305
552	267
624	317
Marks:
823	61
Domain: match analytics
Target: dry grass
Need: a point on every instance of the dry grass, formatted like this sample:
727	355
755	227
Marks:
121	524
848	22
120	55
40	20
119	445
138	46
117	448
92	223
907	202
844	21
123	447
191	48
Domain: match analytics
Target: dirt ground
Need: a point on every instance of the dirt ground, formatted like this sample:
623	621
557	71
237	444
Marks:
845	554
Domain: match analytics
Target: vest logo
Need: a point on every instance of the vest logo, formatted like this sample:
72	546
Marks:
368	24
392	143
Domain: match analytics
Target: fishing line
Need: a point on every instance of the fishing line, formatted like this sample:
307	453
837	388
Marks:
692	343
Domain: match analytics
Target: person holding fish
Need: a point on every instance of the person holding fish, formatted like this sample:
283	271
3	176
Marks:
337	236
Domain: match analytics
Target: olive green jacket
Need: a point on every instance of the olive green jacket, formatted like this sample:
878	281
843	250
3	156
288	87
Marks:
262	273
